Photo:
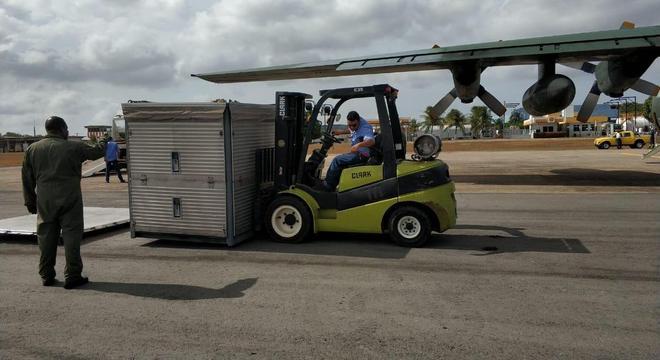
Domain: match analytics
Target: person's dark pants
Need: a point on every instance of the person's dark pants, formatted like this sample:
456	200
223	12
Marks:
339	163
112	165
618	143
54	219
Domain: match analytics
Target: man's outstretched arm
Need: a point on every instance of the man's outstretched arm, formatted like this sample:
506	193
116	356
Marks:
29	184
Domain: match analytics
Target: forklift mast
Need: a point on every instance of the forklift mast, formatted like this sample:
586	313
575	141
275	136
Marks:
289	136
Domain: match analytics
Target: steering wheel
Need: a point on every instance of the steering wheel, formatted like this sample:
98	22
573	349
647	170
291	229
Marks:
333	138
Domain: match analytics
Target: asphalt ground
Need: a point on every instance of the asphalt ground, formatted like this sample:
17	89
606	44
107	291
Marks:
555	256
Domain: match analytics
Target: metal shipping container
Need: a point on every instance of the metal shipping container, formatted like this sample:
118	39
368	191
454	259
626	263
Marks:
191	168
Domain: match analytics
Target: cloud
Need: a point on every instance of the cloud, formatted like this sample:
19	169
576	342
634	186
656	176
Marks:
82	59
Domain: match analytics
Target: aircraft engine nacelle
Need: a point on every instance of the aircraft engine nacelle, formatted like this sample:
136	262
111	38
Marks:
552	93
618	75
467	80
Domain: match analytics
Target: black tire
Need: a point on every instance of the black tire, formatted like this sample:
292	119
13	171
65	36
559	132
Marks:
639	144
409	226
605	145
288	220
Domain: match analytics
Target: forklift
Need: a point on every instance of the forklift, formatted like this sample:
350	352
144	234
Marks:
389	194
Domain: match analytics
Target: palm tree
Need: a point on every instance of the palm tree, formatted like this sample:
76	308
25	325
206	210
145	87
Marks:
413	127
431	119
516	119
457	119
480	120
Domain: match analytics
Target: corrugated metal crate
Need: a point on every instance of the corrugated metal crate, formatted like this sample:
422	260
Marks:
191	168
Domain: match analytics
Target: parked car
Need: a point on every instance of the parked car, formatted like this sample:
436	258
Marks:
628	138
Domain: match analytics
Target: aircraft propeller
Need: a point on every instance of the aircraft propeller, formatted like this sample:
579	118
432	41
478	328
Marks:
466	87
590	102
615	76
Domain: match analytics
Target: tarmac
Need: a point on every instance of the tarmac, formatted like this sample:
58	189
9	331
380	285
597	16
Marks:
555	255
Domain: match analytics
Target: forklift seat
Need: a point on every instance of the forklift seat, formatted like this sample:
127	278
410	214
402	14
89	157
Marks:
376	151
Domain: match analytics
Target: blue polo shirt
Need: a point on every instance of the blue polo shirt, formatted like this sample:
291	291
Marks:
363	132
111	151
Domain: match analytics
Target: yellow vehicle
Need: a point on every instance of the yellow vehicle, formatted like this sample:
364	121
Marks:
628	138
406	198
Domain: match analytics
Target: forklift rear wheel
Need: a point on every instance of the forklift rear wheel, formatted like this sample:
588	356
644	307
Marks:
409	226
288	220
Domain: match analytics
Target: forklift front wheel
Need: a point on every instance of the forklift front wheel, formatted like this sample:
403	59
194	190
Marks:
409	226
288	220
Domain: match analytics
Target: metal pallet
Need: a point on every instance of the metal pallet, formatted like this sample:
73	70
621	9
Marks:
96	218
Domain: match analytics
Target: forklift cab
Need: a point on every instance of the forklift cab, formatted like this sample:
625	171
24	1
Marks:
389	194
295	169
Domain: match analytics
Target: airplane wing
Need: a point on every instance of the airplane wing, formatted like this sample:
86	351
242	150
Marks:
624	55
593	46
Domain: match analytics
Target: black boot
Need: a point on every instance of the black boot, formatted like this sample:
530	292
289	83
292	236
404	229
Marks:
70	284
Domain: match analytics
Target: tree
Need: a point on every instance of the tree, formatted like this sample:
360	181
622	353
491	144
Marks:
13	134
455	119
316	125
516	119
413	127
480	120
431	120
628	110
646	109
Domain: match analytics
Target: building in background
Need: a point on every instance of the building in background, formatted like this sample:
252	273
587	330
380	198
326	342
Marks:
97	131
17	143
403	120
564	124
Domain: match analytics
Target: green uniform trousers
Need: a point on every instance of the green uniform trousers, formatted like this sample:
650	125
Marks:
65	218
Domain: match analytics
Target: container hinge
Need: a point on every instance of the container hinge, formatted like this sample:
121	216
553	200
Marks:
143	179
211	182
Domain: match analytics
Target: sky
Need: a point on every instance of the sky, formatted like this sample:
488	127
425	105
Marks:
81	59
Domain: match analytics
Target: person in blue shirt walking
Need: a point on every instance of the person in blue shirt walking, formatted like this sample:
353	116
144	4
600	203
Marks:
362	138
111	156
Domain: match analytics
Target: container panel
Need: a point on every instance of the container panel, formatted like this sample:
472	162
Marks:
201	212
253	128
176	163
199	146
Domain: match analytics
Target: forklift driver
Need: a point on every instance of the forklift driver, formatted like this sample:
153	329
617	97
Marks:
362	138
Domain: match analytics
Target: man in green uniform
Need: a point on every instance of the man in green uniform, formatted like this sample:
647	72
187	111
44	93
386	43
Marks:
52	167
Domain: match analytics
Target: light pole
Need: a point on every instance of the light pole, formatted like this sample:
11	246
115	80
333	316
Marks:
507	105
624	99
634	100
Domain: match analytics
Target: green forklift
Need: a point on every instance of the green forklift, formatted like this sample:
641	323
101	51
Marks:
405	198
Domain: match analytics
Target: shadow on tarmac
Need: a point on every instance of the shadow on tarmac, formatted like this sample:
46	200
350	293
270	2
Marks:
567	177
515	241
379	246
333	244
173	291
